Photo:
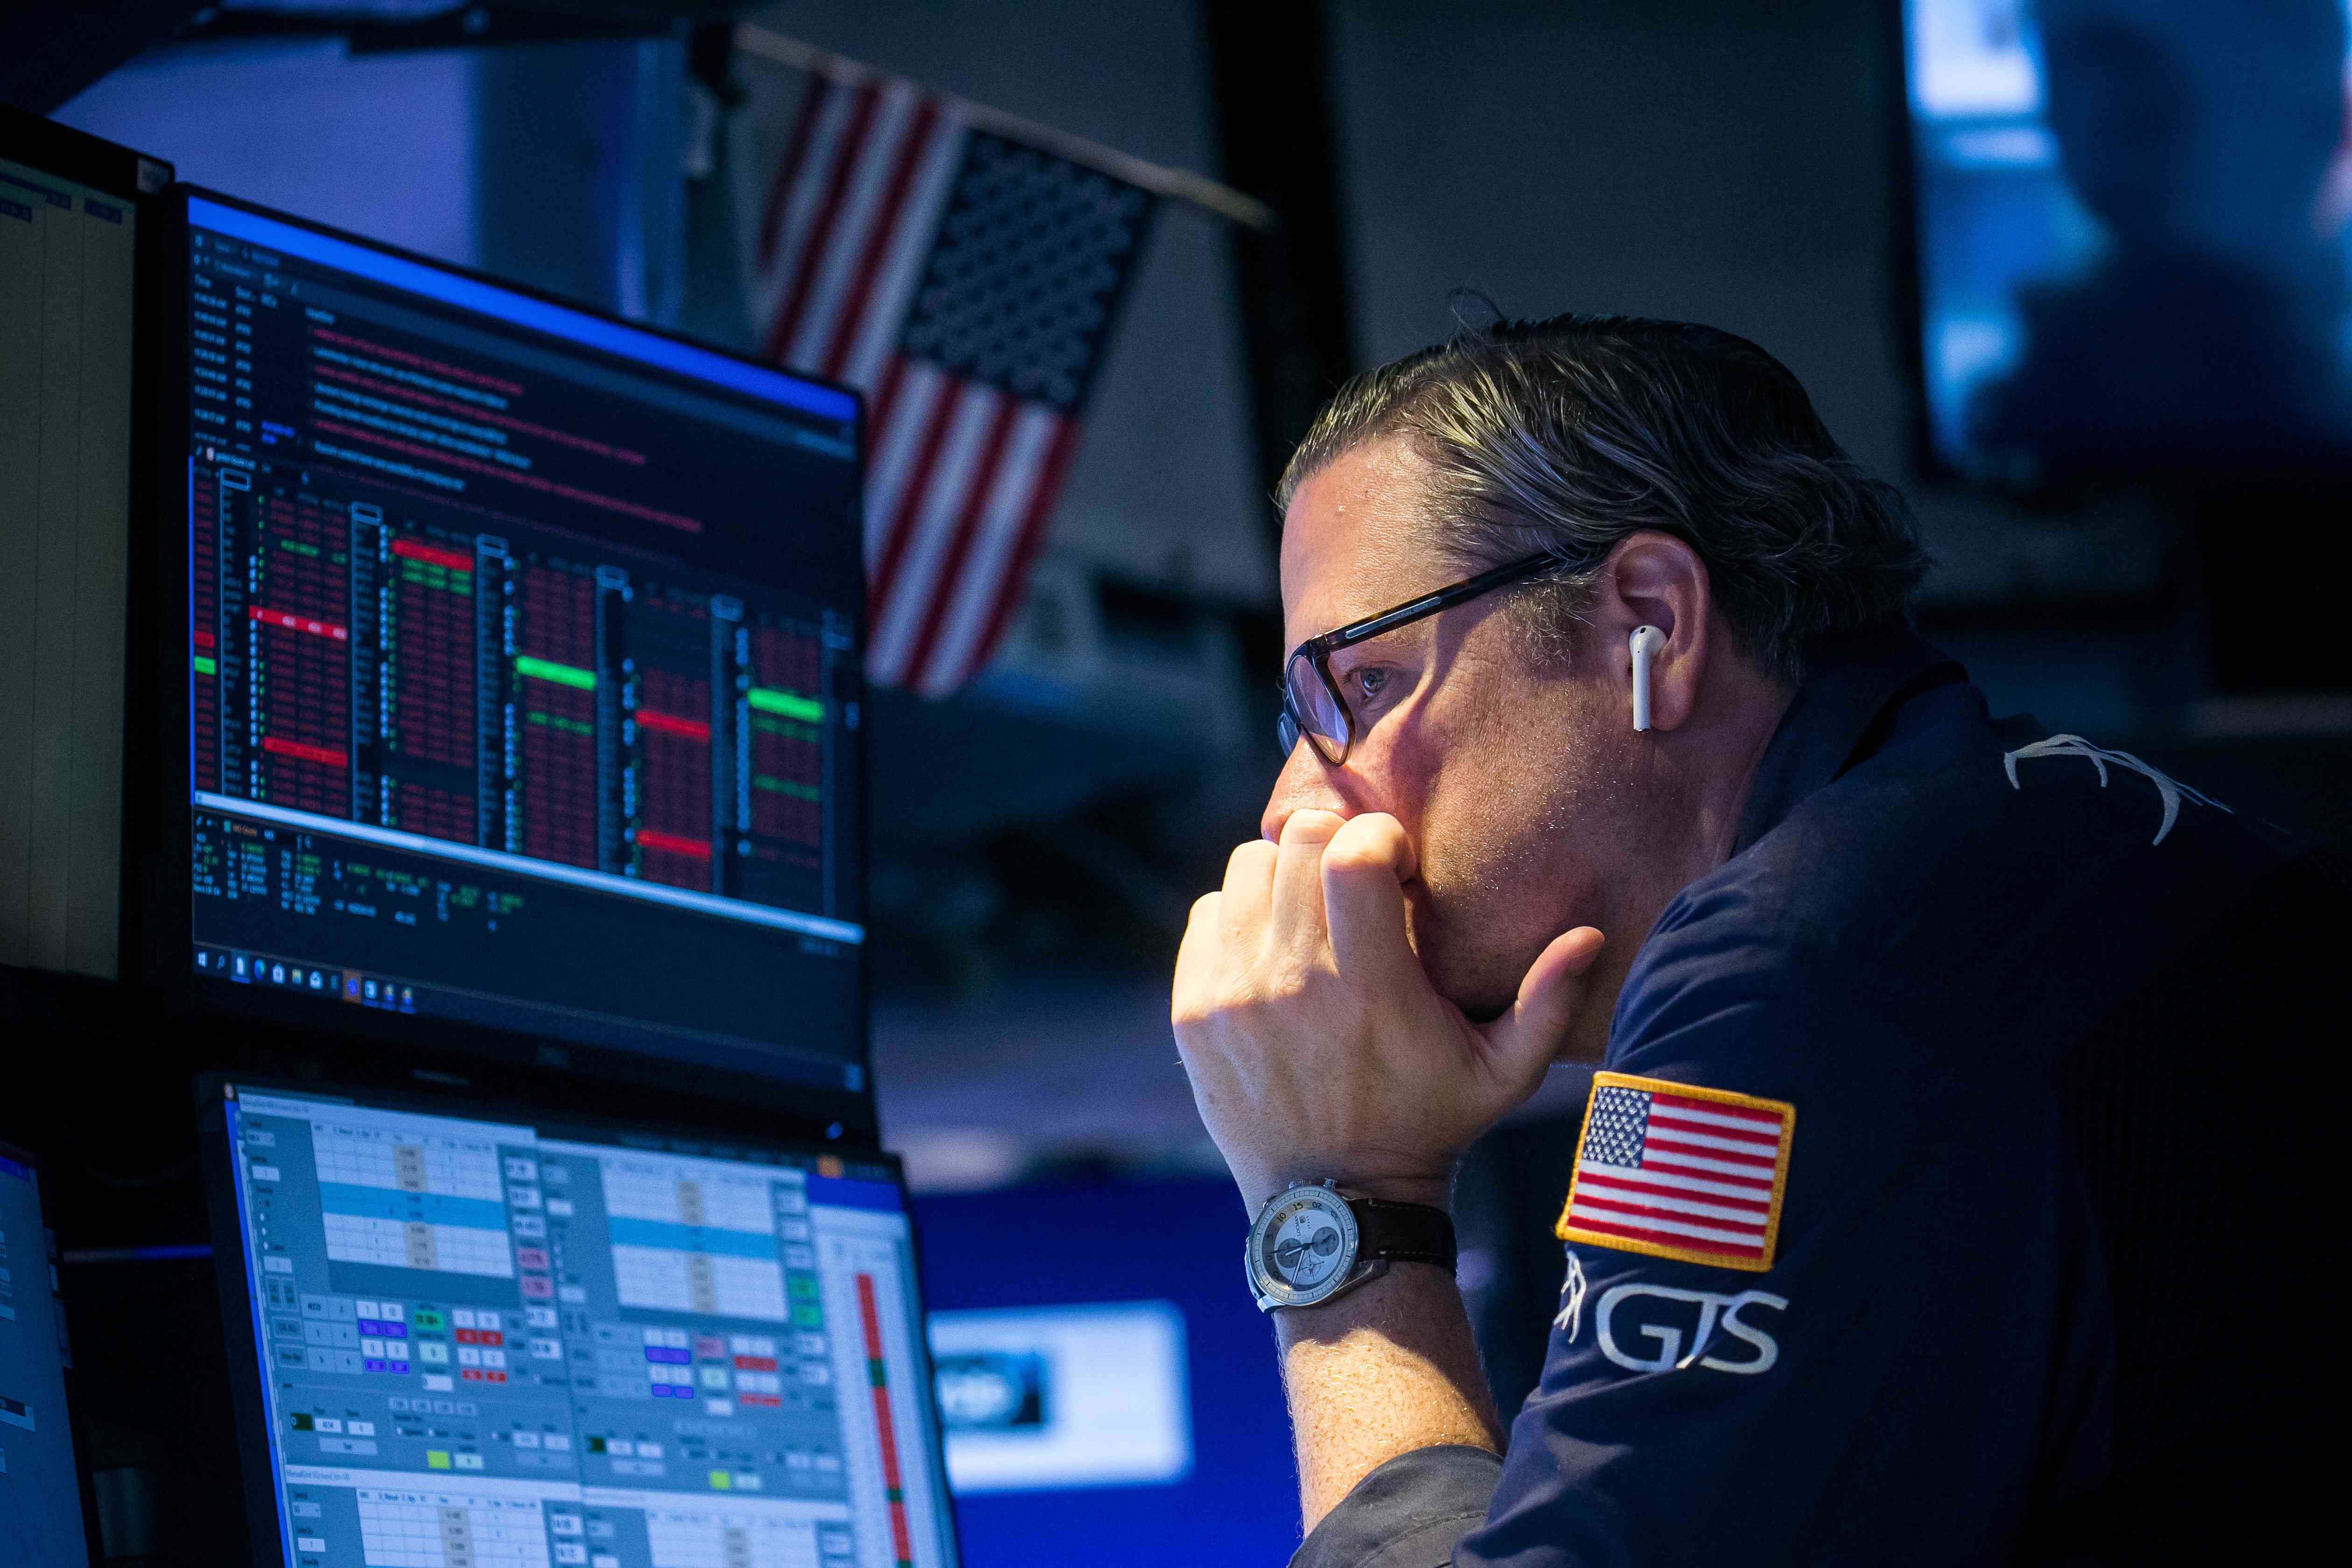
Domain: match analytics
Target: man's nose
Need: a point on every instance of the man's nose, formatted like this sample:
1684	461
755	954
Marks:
1304	783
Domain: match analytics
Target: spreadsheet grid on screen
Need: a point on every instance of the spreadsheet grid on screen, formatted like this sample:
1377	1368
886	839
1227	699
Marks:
66	287
521	679
739	1385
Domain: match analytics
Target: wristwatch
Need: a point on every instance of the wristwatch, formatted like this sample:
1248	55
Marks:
1312	1242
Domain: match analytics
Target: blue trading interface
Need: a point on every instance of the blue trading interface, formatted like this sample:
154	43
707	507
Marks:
522	672
486	1345
40	1497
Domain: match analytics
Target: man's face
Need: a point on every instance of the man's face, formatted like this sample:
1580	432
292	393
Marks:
1512	780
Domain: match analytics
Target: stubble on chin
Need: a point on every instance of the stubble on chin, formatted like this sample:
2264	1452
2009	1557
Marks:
1457	940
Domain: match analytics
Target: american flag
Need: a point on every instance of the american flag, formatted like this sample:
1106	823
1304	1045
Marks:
1680	1171
967	282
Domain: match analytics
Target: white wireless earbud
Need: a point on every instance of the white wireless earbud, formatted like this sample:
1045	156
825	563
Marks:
1645	644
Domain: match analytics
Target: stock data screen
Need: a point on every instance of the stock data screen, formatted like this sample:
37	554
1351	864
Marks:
523	1346
522	685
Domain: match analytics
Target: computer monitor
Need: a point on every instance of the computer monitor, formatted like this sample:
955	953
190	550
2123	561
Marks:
41	1494
71	309
462	1336
519	667
2133	230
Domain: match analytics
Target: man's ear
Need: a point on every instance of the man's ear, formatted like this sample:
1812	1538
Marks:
1653	578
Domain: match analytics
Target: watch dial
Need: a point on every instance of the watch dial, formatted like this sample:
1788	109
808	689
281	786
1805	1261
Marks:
1304	1247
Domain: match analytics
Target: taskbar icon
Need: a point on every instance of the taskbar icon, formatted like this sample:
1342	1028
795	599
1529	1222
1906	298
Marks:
279	975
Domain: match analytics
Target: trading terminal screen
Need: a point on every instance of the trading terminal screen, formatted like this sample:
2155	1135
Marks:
502	1346
40	1495
523	675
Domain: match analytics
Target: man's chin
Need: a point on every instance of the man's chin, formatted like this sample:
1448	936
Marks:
1483	997
1482	984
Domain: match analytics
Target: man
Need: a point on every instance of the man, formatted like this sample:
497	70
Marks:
1933	1203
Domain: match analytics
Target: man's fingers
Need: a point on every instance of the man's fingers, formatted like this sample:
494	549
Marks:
1522	1041
1197	953
1297	912
1364	868
1248	898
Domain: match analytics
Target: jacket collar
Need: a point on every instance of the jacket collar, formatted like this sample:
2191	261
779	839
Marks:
1839	716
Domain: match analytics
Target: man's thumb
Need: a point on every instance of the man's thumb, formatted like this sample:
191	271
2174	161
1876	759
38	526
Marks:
1524	1040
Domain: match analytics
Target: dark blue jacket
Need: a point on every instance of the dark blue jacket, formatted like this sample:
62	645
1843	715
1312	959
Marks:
1995	992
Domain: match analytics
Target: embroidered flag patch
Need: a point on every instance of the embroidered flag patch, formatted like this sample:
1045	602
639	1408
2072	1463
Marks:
1675	1170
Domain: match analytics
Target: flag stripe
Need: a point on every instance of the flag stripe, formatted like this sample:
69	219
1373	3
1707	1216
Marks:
1679	1237
936	501
863	210
1626	1220
1684	1110
788	314
998	536
1658	1202
1033	531
798	230
1679	1184
887	442
1709	1140
887	231
890	445
977	491
932	412
1702	1162
886	311
886	396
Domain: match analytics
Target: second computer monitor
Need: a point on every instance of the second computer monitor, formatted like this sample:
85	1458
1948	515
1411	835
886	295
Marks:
522	1341
521	665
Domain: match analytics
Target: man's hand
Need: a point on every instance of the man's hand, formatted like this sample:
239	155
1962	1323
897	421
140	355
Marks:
1316	1044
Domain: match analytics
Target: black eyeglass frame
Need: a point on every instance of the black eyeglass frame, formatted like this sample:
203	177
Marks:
1290	723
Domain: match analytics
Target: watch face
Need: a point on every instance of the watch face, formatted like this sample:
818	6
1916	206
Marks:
1304	1245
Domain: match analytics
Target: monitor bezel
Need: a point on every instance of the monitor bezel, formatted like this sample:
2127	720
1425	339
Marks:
346	1041
78	1440
248	1404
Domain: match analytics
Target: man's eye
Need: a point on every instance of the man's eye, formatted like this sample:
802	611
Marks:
1368	683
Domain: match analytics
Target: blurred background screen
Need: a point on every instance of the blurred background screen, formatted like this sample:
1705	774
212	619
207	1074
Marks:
1108	1394
2131	219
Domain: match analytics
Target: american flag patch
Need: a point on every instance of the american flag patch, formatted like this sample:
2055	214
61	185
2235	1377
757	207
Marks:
1674	1171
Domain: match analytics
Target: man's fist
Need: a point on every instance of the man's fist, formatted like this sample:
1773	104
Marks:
1316	1045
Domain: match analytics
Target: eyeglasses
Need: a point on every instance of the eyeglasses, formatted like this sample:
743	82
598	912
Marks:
1311	703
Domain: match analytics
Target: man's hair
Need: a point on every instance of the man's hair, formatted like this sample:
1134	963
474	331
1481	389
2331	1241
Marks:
1569	433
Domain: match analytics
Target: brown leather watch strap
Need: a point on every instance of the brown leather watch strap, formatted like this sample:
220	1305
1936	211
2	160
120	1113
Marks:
1403	1233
